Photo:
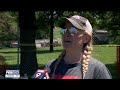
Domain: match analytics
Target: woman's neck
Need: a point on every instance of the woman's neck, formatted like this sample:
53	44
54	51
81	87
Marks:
72	57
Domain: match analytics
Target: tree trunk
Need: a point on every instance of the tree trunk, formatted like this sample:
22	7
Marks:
28	60
51	31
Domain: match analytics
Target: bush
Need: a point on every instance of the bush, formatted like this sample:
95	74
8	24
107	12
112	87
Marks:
117	40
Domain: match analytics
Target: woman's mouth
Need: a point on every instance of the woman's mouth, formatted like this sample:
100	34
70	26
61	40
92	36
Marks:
67	41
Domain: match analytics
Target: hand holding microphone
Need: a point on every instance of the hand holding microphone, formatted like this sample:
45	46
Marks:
41	74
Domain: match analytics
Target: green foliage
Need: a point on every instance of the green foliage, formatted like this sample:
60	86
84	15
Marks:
44	22
107	20
114	23
117	40
8	26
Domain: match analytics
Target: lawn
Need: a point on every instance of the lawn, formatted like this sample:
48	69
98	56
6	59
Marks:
105	54
56	33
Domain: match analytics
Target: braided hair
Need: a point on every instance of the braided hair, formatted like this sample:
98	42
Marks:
86	57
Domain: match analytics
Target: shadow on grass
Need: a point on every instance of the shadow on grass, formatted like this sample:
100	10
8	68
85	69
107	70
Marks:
7	52
12	67
38	51
113	70
47	51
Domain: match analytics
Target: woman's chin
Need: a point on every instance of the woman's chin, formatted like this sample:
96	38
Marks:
67	46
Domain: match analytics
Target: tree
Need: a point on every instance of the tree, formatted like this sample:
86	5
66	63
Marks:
28	63
42	24
45	21
114	27
8	27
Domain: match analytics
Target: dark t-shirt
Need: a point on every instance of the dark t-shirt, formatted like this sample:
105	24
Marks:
96	70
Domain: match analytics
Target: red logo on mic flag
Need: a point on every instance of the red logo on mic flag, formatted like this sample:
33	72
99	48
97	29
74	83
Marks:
40	74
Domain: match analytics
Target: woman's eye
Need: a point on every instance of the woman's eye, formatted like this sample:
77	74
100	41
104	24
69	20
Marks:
62	31
65	30
73	30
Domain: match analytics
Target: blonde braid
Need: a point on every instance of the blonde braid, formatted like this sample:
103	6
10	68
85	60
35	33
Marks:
86	57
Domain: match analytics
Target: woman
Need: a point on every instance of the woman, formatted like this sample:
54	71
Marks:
75	62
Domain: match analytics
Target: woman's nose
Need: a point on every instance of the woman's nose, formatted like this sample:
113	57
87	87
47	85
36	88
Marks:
67	34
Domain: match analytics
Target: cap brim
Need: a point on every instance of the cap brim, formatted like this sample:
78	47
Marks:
75	24
62	21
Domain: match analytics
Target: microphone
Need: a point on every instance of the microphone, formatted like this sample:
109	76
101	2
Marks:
40	74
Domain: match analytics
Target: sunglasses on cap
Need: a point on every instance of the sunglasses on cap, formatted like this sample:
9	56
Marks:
71	30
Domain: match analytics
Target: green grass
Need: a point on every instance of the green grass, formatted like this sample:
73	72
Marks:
107	55
10	55
56	33
43	54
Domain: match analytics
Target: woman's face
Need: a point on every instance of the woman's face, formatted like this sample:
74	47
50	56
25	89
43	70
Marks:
71	38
